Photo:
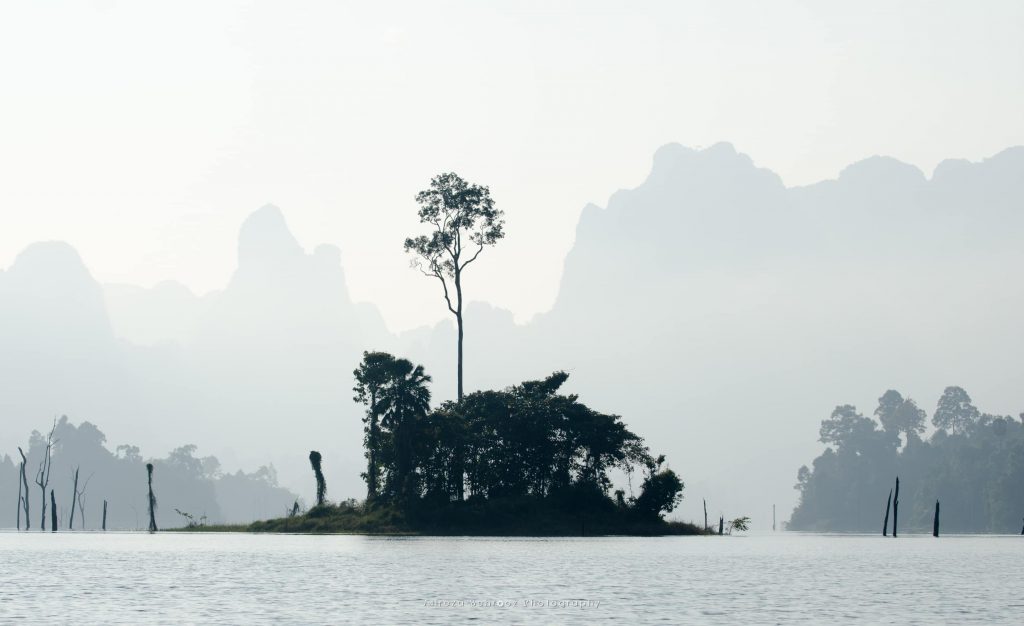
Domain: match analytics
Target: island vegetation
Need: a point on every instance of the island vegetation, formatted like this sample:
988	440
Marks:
527	459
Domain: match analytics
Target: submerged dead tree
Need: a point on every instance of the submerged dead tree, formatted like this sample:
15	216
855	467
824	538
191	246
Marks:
321	484
885	522
43	475
74	496
896	507
152	499
53	512
24	483
721	525
935	523
104	515
80	497
705	516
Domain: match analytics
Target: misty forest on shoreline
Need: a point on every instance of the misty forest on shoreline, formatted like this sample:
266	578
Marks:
973	463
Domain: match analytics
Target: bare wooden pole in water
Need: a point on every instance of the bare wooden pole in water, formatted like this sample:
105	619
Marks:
706	516
885	522
896	507
152	499
24	482
104	515
935	524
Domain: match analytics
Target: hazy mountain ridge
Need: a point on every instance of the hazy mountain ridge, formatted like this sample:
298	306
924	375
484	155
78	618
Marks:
677	309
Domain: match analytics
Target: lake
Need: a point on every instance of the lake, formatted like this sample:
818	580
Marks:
767	578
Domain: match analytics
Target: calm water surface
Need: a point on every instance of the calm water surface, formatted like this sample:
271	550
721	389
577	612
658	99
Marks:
759	579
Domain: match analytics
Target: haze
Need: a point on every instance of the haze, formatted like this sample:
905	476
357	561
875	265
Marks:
722	305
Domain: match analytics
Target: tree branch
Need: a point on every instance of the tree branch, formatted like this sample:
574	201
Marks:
478	251
437	274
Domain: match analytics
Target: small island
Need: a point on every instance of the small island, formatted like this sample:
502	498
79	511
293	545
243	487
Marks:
526	460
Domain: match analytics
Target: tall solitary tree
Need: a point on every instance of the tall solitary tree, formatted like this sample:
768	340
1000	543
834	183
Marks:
462	221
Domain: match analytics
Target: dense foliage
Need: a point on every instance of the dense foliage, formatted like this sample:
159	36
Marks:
526	441
973	463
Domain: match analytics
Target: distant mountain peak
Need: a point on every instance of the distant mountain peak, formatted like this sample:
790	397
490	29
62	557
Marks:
720	161
876	170
51	260
265	239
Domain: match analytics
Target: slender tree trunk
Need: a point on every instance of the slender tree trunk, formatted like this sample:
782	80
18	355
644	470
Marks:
935	523
885	522
705	515
104	515
53	512
458	320
721	525
74	495
896	507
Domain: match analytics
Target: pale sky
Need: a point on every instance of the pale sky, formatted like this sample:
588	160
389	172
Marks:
144	133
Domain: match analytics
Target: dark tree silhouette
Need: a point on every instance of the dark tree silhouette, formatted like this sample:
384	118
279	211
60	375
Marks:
462	221
896	507
374	372
404	401
885	522
662	490
935	524
954	411
152	498
321	484
104	515
53	512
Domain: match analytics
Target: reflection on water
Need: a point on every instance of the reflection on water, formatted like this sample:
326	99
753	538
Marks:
771	578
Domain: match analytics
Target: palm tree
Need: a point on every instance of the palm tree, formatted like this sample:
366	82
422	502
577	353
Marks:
403	402
371	376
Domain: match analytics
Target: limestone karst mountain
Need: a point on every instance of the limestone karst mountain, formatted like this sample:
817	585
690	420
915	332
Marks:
710	300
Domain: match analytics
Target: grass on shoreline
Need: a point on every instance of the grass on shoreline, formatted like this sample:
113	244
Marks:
501	517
